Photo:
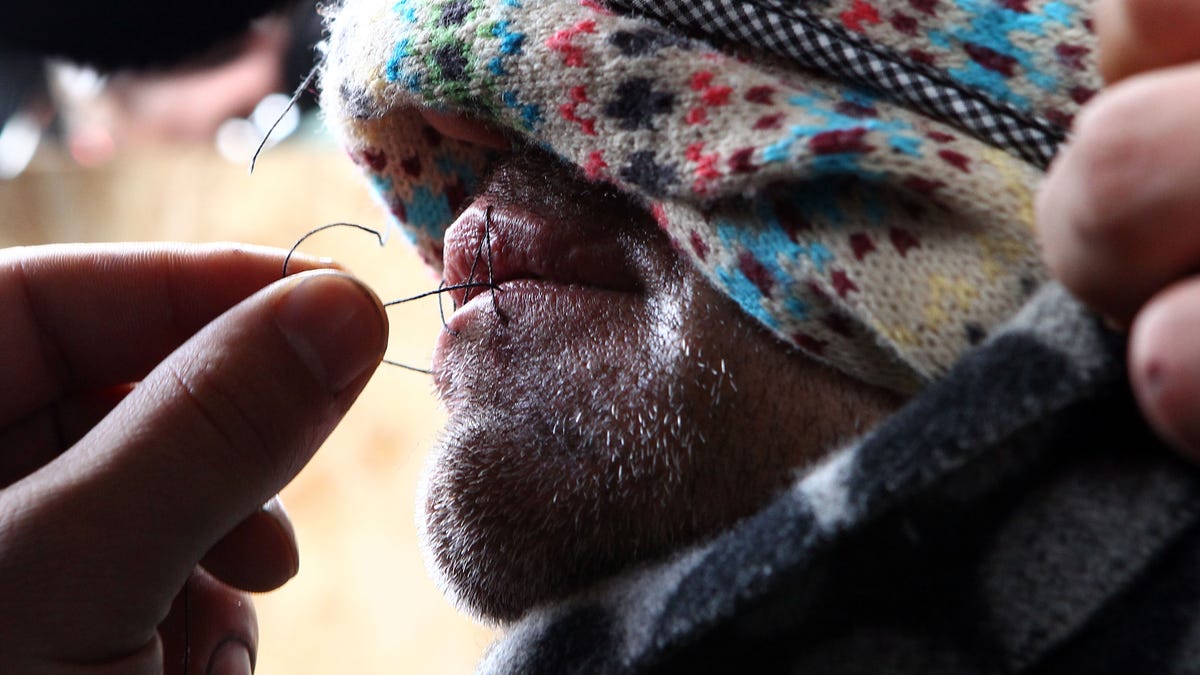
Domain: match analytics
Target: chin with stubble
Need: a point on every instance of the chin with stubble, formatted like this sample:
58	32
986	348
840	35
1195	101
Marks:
607	406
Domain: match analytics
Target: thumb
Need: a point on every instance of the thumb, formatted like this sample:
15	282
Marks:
112	528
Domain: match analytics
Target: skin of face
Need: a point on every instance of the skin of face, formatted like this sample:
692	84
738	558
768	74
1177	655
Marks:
607	406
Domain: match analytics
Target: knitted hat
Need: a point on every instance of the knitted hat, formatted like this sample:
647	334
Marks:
856	174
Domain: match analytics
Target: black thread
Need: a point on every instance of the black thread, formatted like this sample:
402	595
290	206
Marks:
442	287
308	80
475	262
487	235
485	244
315	230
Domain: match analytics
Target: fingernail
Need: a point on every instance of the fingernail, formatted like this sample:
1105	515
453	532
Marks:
1164	366
335	325
275	510
231	658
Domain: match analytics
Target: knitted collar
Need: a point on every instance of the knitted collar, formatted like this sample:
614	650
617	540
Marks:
857	175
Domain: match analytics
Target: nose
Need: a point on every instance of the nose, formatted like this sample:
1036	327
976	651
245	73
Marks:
468	129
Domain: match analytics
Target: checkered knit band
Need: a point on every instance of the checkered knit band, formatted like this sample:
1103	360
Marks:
857	175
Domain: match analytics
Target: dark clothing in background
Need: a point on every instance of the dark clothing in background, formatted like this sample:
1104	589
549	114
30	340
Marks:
132	33
22	80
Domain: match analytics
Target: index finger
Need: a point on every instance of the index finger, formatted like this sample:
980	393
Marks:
79	317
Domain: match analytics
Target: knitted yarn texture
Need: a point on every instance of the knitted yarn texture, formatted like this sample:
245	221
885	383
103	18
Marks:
856	174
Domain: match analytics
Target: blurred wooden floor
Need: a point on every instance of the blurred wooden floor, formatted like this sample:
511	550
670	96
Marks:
362	602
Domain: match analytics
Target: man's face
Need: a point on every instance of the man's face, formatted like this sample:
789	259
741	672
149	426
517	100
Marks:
607	406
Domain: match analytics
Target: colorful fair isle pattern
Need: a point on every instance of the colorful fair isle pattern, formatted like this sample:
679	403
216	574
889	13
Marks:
830	39
1035	54
875	238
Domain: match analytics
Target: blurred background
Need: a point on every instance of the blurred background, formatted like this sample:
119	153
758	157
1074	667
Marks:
86	157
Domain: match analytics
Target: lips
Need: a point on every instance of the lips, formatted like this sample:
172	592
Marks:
570	258
526	246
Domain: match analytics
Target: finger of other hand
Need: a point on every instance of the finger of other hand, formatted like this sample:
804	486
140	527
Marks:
1117	212
1140	35
1164	364
83	317
211	629
210	435
260	554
